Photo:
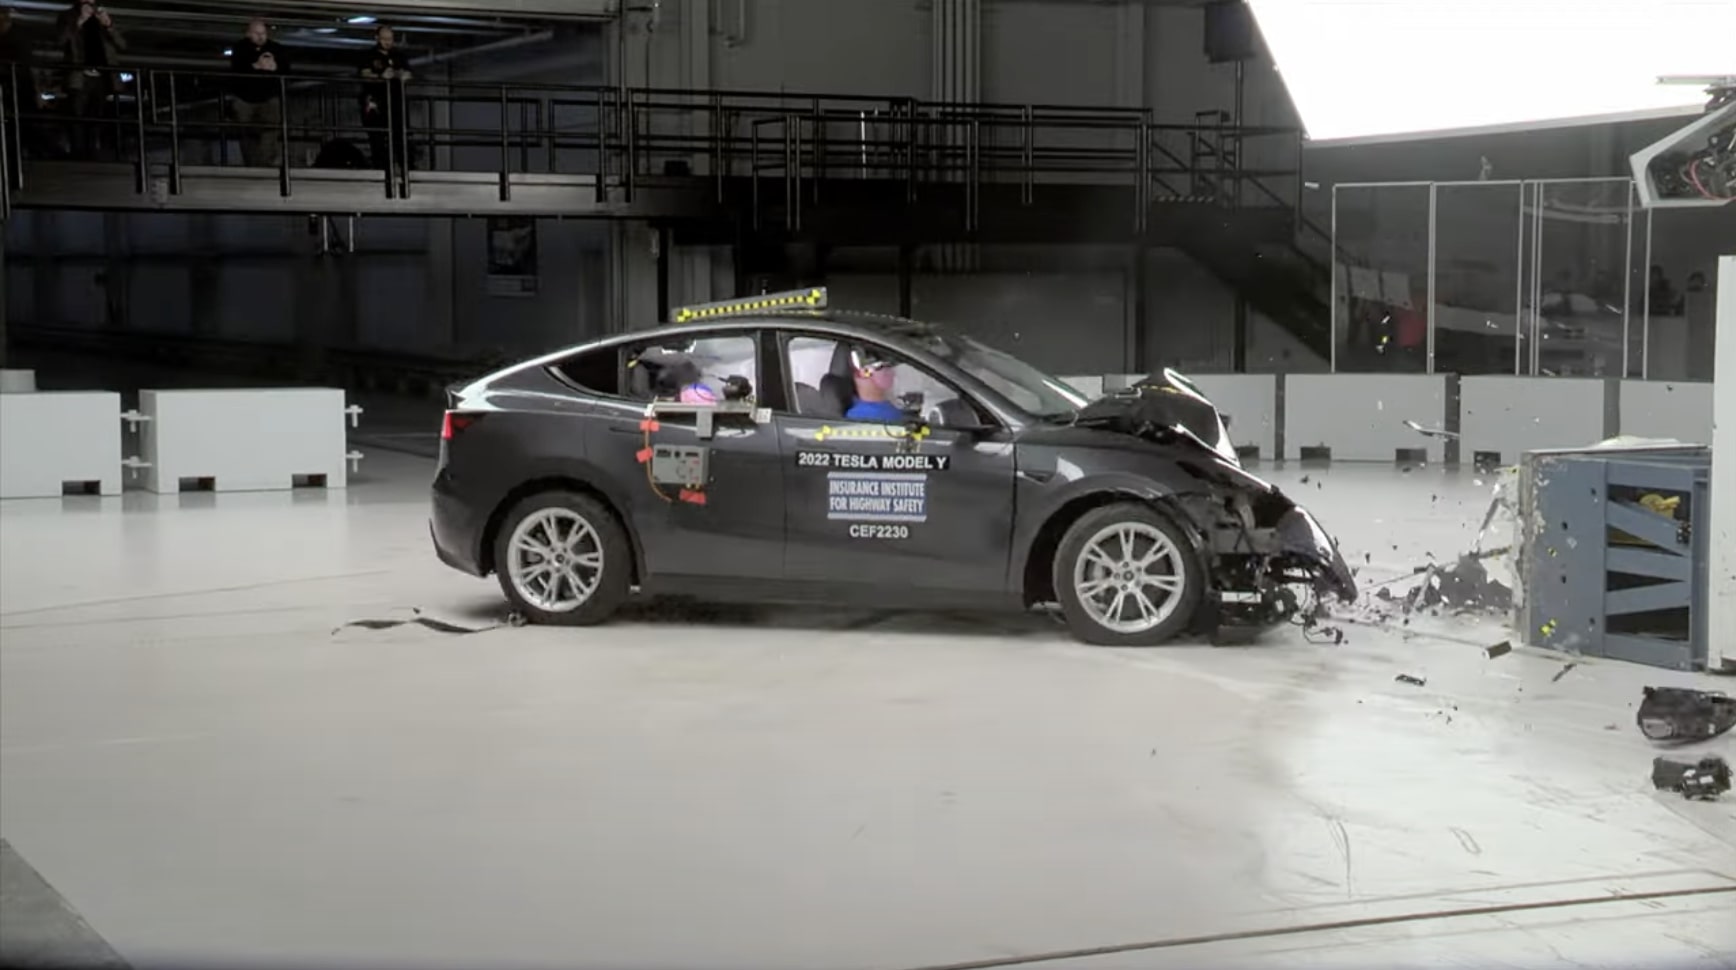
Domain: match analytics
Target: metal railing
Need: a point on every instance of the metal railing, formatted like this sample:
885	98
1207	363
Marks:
167	122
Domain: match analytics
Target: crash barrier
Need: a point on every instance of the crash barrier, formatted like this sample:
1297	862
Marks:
55	443
1501	418
1666	409
1361	417
245	440
1468	420
1613	549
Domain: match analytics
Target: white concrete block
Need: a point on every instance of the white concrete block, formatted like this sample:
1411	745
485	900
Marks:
243	440
1667	409
1090	385
1361	417
1513	415
1249	403
1721	625
51	438
13	381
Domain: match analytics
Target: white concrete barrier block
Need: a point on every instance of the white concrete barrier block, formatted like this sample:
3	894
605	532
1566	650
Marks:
1249	404
1508	416
56	442
243	440
1090	385
1667	409
1361	417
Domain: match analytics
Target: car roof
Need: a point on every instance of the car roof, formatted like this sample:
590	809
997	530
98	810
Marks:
839	323
899	332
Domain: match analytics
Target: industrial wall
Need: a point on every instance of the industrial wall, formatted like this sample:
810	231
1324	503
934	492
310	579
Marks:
416	286
422	285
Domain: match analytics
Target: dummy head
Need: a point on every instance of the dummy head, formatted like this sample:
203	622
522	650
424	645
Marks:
874	376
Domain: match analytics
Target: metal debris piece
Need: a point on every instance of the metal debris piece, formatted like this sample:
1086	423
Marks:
1563	671
1430	432
1682	714
1704	779
1499	649
438	626
1408	679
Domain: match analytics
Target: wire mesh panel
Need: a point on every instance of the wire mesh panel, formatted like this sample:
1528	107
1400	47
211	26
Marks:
1477	277
1577	306
1381	239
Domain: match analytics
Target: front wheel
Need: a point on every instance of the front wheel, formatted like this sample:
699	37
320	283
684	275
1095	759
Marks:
562	558
1126	576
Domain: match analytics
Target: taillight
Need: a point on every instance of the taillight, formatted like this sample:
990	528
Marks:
454	422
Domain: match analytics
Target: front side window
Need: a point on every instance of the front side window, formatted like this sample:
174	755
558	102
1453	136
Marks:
856	381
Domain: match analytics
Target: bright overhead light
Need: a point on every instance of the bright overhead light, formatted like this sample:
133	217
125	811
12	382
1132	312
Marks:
364	19
1367	68
228	52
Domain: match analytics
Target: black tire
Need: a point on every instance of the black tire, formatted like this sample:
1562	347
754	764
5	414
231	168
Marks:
1185	564
613	579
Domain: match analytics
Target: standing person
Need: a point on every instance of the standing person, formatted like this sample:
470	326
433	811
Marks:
1410	333
384	111
92	45
258	95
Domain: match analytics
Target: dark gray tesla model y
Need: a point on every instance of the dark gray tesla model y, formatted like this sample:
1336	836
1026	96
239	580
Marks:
771	450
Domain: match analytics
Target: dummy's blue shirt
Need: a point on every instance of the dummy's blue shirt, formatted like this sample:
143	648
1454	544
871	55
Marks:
882	411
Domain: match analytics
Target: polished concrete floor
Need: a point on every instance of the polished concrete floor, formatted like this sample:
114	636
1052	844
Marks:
206	771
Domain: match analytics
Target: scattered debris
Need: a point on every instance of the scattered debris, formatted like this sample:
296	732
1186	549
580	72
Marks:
1304	480
1430	432
1499	649
1563	671
1413	681
438	626
1705	779
1682	714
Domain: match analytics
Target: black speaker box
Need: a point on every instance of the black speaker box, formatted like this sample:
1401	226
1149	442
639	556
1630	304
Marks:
1230	32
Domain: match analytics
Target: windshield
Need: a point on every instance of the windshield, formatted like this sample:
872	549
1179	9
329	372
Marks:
1025	386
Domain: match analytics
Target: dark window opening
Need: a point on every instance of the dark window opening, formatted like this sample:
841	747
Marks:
598	371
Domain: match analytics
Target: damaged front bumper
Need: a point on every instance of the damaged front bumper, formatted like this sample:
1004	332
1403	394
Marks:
1269	558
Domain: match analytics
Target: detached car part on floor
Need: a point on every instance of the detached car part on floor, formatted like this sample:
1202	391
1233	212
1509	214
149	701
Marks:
772	450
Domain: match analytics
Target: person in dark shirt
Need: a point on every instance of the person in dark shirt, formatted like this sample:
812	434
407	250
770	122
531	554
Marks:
384	111
92	45
257	95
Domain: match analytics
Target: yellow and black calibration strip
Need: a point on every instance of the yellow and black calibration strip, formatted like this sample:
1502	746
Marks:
813	298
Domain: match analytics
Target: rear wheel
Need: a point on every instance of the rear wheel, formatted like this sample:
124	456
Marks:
1126	576
562	558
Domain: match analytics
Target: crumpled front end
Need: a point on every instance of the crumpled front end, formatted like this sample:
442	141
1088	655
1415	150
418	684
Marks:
1267	556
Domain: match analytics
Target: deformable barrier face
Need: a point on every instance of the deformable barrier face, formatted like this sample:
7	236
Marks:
1536	278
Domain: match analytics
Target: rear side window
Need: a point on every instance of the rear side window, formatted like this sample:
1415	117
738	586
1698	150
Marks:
597	371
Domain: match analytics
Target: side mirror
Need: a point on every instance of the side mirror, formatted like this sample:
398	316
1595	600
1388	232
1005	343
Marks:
958	415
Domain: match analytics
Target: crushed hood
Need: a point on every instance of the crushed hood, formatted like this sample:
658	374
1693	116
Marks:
1162	406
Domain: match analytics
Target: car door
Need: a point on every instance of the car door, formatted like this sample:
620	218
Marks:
868	504
738	531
